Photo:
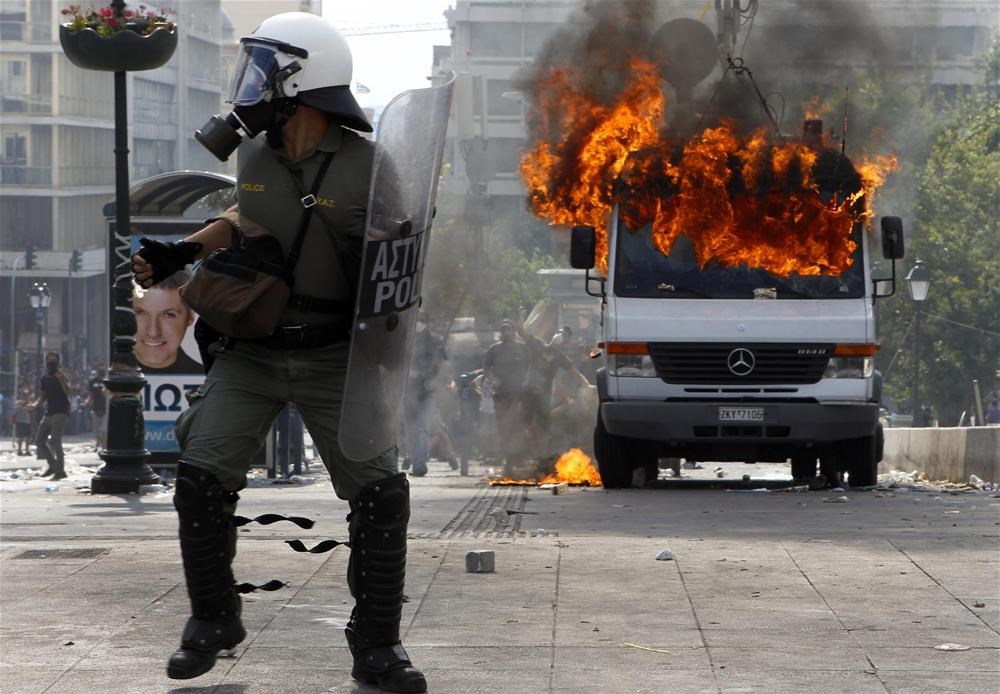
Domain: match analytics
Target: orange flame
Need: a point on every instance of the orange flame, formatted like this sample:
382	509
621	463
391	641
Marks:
785	207
574	467
815	108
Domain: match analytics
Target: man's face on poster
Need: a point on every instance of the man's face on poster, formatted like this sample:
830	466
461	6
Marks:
162	319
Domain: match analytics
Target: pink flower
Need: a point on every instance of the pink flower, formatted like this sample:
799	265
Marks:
106	11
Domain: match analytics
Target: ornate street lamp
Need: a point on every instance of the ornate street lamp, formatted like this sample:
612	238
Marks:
918	282
131	43
40	298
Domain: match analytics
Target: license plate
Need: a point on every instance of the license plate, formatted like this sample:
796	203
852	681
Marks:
741	414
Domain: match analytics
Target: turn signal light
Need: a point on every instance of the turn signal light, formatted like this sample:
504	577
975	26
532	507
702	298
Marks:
855	350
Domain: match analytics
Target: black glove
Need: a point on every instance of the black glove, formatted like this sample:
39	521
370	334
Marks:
167	258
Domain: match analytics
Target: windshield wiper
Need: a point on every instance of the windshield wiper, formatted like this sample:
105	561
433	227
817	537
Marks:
674	289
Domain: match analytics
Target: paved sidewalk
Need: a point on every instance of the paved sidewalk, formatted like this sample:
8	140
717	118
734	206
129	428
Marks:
767	592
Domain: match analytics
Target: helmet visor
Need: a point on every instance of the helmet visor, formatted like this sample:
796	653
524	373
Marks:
254	74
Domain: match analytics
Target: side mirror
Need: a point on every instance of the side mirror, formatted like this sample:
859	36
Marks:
892	238
582	247
883	288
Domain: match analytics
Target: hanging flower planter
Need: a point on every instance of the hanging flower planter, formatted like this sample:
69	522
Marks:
117	38
125	50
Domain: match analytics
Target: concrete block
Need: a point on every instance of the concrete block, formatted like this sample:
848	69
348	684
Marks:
945	453
479	561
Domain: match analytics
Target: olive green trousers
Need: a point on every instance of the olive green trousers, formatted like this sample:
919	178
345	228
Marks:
231	413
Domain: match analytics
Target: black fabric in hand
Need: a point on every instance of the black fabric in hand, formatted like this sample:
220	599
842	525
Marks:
167	258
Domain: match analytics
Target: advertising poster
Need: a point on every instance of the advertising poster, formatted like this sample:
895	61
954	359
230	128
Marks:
167	353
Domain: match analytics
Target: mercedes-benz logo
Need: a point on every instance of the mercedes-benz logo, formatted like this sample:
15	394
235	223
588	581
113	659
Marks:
740	361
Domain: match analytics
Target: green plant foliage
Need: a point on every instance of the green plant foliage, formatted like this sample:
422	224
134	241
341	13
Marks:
956	232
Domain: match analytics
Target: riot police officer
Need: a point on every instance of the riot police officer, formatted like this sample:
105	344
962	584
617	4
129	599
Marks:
291	83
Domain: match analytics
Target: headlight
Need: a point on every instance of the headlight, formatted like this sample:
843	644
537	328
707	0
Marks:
631	365
849	367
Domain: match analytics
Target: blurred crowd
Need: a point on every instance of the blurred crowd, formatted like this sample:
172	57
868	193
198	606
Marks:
87	399
529	400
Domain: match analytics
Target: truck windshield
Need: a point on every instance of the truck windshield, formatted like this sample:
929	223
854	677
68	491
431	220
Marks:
641	270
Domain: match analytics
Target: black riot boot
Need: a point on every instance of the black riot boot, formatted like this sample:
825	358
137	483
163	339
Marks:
208	546
375	575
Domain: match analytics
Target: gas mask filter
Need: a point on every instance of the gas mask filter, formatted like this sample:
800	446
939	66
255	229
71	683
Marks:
221	136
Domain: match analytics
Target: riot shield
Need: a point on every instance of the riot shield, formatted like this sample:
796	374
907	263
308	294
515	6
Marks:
409	145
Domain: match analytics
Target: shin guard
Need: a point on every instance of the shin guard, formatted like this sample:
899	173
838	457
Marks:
208	546
375	574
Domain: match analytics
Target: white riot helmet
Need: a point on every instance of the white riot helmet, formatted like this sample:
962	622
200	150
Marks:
301	55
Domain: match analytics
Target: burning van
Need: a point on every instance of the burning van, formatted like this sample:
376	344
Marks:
738	307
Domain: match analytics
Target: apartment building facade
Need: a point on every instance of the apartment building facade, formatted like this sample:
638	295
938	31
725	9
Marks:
57	161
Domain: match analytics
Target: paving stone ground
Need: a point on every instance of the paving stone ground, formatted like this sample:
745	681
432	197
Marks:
767	592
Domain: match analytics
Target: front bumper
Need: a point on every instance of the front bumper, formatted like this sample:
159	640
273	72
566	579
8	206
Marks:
797	423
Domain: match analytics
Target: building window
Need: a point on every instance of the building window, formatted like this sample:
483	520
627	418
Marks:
495	40
15	76
154	102
152	157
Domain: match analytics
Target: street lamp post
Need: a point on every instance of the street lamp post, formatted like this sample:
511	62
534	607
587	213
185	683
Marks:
41	299
918	282
125	456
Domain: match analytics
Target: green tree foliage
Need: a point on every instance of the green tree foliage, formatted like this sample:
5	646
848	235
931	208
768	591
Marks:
956	232
490	278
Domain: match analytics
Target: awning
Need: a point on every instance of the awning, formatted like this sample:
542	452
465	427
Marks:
171	194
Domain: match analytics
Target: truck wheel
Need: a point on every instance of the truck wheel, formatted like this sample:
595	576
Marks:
614	460
861	460
879	443
803	466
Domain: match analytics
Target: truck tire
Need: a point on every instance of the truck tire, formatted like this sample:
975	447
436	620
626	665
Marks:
614	459
860	457
879	443
803	466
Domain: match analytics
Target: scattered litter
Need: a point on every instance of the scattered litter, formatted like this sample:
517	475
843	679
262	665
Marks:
746	478
692	466
979	604
835	499
152	488
557	487
952	647
719	472
70	643
51	488
647	648
756	490
976	482
499	515
665	555
796	488
838	489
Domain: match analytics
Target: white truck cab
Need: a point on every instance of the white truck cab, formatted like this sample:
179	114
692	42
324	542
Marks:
721	363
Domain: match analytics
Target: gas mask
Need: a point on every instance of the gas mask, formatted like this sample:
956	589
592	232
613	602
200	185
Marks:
261	95
221	136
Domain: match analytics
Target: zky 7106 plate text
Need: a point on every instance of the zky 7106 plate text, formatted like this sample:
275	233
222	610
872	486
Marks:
741	414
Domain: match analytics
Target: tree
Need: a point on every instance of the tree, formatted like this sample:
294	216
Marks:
958	215
497	286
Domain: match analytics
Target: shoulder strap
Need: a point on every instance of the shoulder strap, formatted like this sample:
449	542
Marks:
309	202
